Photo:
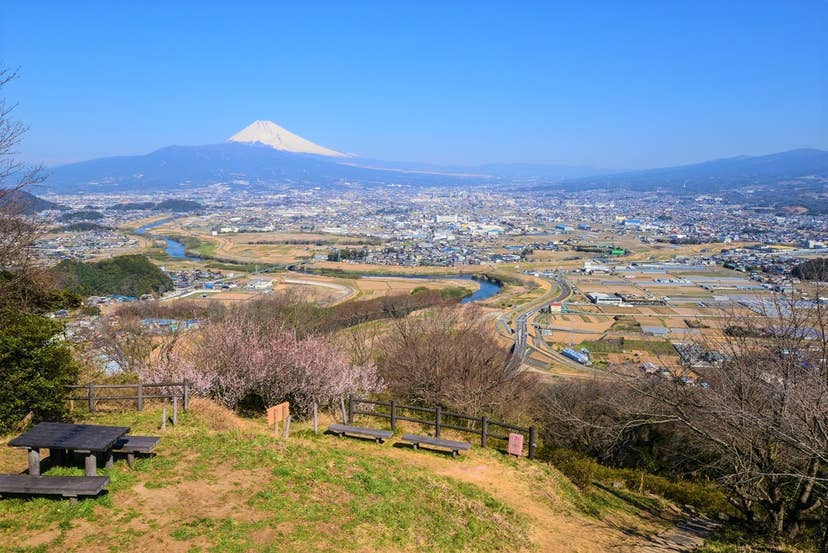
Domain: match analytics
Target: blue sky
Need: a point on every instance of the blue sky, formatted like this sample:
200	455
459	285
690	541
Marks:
610	84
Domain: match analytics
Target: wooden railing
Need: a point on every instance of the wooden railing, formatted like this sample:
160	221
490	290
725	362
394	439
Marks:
439	419
172	391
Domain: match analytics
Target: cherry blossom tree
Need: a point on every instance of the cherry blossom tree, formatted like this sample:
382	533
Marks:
239	358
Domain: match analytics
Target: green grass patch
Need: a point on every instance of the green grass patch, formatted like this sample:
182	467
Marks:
195	246
238	267
620	345
449	292
157	254
310	493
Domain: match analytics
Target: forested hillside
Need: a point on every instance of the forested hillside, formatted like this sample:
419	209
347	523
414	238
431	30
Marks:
128	275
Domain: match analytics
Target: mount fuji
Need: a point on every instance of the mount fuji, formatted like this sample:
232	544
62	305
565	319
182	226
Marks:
262	156
278	138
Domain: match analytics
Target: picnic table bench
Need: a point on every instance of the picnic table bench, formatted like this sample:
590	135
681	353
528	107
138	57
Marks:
455	446
135	444
64	439
378	435
65	486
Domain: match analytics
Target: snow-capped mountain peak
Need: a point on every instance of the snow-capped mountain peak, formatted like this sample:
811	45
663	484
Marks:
271	134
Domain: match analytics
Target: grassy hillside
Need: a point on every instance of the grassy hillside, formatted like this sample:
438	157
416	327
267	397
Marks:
219	483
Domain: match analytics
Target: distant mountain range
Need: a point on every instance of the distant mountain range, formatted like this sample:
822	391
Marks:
254	165
264	155
721	174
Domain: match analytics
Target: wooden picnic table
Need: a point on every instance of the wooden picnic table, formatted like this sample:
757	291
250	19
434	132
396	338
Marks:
62	439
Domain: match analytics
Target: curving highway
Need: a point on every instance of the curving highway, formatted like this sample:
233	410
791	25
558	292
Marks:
521	331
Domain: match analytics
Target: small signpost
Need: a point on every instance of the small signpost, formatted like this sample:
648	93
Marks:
277	414
515	444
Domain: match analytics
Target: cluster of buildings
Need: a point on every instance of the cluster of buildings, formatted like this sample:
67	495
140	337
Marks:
195	278
167	326
84	246
449	226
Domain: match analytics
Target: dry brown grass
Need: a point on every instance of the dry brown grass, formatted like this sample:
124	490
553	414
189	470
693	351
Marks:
216	417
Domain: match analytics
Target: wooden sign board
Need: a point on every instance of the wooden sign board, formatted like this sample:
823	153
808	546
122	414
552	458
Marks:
278	413
515	444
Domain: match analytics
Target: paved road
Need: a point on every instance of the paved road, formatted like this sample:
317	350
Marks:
522	343
521	332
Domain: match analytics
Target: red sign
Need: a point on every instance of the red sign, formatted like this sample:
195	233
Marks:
515	444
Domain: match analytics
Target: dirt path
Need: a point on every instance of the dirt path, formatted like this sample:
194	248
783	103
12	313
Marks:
553	525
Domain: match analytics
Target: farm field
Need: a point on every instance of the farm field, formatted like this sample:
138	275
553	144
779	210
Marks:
647	331
260	247
330	290
383	286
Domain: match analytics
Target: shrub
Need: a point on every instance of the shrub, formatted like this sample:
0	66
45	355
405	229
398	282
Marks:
583	472
36	365
580	469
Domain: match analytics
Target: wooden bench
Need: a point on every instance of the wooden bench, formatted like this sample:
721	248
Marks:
453	445
135	444
378	435
70	487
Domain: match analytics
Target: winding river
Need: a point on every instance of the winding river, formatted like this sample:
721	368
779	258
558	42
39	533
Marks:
487	290
176	249
173	248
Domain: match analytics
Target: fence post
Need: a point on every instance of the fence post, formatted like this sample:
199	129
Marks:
91	398
175	410
350	409
484	427
139	403
393	416
437	422
164	417
531	442
186	395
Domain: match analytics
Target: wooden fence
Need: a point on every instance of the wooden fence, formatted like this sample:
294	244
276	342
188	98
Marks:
439	419
172	391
